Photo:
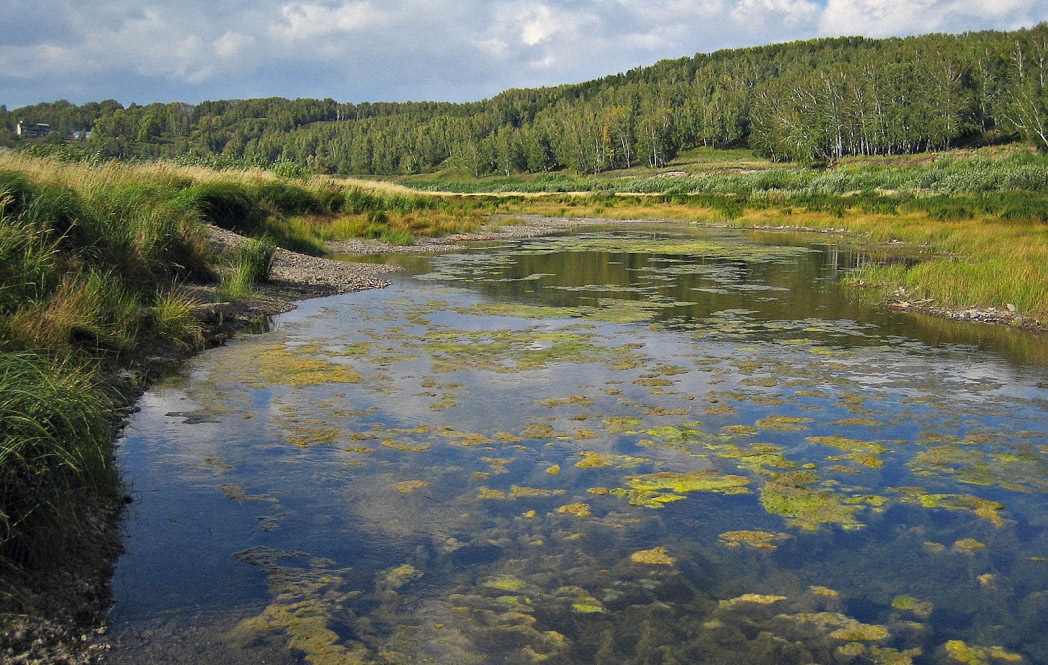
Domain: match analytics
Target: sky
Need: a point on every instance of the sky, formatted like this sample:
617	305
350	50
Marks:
145	51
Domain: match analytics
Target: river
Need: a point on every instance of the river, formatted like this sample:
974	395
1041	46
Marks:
624	445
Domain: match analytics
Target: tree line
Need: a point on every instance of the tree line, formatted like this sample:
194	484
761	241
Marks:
813	101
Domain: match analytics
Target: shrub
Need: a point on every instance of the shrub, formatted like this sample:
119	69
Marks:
228	205
289	199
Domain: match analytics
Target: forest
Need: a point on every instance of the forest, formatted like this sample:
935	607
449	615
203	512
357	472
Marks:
811	102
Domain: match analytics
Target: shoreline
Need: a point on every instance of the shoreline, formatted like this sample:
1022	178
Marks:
69	621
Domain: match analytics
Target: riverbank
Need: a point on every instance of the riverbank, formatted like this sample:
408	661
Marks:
61	616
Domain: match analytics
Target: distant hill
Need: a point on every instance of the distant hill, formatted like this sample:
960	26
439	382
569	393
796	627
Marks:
810	101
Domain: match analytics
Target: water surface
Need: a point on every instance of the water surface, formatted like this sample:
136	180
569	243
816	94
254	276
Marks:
632	445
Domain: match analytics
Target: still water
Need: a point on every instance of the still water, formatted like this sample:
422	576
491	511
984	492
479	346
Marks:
620	446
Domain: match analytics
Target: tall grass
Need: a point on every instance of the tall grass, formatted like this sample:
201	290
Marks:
55	462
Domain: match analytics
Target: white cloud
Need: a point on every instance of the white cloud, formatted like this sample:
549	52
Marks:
883	18
376	50
538	27
231	43
304	21
779	13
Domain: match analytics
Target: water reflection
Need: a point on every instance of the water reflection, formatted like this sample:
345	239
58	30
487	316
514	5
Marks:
594	449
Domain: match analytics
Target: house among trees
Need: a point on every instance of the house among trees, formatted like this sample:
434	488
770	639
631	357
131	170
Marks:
31	130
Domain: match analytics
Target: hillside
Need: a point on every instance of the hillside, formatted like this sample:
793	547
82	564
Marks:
815	101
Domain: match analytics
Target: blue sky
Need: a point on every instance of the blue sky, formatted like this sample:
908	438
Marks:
397	50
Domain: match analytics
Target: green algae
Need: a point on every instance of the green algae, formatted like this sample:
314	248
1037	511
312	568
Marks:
520	491
985	508
794	496
588	606
409	486
597	460
304	604
577	509
760	458
657	556
760	540
702	480
407	445
276	364
865	453
622	424
784	423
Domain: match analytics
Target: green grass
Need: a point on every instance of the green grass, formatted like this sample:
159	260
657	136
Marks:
172	319
55	461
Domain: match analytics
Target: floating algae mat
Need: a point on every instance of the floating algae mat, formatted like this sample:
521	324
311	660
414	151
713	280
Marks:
632	445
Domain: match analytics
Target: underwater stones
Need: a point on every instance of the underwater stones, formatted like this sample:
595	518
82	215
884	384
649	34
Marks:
750	599
837	626
957	652
509	583
397	577
475	555
968	545
910	604
760	540
553	470
656	556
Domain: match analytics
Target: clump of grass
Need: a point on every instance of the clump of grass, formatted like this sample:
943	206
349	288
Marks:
250	265
235	283
89	311
54	458
172	319
256	257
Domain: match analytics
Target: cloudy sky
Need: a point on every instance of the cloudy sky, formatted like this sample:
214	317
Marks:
396	50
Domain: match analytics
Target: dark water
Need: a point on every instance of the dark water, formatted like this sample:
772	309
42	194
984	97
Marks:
624	446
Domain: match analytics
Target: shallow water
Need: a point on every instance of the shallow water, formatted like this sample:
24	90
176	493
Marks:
620	446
